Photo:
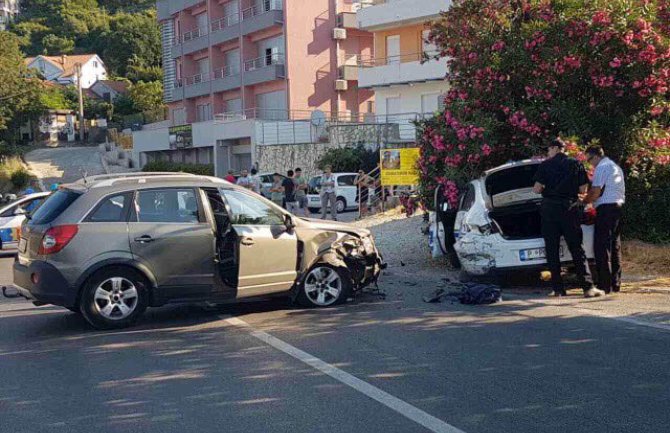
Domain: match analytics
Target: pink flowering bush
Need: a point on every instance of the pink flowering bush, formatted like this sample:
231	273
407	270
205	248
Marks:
523	72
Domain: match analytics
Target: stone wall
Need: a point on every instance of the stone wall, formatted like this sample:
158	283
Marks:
289	156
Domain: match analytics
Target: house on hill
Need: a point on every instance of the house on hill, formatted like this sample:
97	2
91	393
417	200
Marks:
108	90
62	69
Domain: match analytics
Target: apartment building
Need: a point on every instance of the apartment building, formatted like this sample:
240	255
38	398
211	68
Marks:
404	86
233	67
9	9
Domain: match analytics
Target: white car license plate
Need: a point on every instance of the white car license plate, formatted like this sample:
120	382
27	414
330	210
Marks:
536	254
22	245
315	199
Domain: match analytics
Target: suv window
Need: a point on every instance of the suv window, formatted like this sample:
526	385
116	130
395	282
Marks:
171	205
54	206
347	180
112	209
249	210
469	198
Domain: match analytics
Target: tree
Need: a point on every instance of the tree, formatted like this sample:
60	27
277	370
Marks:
19	91
132	39
523	72
147	96
349	159
55	45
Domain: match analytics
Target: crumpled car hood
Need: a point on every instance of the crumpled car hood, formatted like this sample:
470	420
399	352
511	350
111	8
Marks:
337	226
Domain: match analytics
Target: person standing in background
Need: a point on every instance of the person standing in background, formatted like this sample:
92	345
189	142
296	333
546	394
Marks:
244	180
289	192
277	190
328	196
230	177
363	184
608	194
301	187
255	181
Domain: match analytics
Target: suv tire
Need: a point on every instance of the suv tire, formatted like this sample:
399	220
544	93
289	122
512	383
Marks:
114	297
324	285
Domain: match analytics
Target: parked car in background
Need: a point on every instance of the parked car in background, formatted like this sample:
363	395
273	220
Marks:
12	216
345	190
498	225
113	245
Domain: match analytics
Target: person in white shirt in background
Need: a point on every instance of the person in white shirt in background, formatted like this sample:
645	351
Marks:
255	181
328	195
608	195
244	180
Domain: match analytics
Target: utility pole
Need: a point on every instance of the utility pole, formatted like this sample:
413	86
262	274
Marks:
80	93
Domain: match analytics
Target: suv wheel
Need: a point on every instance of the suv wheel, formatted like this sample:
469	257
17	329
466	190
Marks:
324	285
341	204
114	298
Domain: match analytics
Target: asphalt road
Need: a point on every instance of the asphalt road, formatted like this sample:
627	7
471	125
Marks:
372	365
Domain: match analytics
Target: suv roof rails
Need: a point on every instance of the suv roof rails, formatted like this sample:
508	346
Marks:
153	178
100	177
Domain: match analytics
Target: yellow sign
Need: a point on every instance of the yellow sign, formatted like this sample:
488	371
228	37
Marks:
399	166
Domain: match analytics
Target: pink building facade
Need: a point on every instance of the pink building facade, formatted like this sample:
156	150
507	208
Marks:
262	59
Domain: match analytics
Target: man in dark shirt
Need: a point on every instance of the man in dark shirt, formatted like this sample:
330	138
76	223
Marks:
560	179
290	200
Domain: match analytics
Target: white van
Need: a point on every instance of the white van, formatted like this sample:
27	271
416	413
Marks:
345	190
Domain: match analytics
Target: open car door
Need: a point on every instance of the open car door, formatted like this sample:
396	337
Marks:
266	250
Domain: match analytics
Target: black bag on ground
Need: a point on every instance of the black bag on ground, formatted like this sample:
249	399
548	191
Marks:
480	294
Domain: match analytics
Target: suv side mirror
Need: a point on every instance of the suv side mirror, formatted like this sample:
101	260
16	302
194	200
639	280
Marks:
20	211
288	222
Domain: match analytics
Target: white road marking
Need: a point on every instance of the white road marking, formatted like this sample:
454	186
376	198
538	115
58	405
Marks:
407	410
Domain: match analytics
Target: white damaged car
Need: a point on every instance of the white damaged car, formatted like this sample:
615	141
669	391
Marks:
498	225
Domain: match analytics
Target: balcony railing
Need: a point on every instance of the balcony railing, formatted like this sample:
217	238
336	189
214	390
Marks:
196	79
266	6
224	22
370	62
191	34
226	71
263	62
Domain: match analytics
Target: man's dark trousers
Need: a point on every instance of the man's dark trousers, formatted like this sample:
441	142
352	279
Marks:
608	247
561	218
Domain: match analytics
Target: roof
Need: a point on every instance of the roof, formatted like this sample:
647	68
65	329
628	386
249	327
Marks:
65	63
117	86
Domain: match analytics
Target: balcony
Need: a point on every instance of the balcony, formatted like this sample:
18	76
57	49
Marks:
380	14
348	67
347	20
197	85
226	78
167	8
402	69
190	42
263	69
224	29
263	16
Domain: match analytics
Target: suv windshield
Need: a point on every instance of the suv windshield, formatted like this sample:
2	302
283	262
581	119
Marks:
54	206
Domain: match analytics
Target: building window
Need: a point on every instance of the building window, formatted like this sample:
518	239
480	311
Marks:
95	64
430	103
204	112
428	47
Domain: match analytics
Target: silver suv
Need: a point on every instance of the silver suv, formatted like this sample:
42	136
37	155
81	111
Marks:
111	246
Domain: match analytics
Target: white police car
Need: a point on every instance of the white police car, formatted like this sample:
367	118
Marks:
12	216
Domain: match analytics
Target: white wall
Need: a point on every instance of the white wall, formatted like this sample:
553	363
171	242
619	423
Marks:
410	96
92	71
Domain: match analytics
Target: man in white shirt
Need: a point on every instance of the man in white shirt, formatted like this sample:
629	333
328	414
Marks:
608	195
328	196
244	180
255	181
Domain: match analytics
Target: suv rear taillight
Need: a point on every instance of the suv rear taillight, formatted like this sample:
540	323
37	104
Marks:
57	238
